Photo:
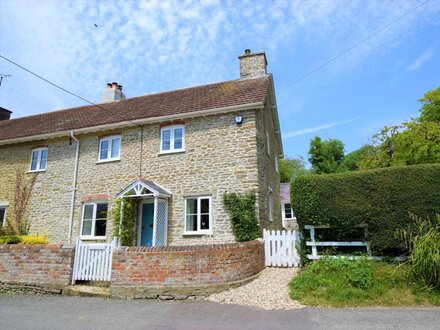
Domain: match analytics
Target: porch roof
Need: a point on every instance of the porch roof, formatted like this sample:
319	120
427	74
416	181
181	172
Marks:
143	188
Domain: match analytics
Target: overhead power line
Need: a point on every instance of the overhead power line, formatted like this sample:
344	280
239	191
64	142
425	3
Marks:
319	67
114	112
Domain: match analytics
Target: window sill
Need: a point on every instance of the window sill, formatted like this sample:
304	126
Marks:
171	152
89	238
197	234
36	171
108	161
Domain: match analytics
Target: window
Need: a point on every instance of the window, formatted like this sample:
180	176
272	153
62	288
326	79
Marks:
268	143
276	164
2	216
110	148
172	138
198	215
94	220
287	211
270	205
38	160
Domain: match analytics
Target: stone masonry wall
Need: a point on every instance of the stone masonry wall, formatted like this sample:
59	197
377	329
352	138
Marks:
268	178
140	271
47	267
219	156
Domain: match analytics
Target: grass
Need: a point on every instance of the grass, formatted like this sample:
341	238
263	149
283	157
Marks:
345	283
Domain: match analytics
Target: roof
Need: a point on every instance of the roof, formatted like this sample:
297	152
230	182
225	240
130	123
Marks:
285	192
182	101
142	187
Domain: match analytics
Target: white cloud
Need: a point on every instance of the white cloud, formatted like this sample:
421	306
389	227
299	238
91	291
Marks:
420	60
152	46
313	129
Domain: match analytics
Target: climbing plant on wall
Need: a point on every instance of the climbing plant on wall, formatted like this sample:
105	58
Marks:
244	220
128	230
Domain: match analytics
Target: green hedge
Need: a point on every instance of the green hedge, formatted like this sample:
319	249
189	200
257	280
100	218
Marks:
381	198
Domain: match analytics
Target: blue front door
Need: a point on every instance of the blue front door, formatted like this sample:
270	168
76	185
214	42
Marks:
147	224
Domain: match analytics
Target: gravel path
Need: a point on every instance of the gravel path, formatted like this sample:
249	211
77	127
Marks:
269	291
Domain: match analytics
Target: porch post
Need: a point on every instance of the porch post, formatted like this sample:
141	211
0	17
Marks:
120	221
155	220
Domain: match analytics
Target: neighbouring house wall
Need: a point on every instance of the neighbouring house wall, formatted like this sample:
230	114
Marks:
42	267
48	208
268	177
219	156
146	272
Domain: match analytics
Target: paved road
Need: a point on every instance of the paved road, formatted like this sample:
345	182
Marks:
59	312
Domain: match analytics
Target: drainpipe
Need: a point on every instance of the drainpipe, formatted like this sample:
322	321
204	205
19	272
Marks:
72	199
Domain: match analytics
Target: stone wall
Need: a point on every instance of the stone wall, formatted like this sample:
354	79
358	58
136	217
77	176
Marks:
46	268
149	272
219	156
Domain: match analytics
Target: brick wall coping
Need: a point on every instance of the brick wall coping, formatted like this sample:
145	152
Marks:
35	247
189	248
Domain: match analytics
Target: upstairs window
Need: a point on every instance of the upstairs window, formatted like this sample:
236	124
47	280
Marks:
94	220
38	160
172	138
268	143
198	215
2	216
110	148
270	205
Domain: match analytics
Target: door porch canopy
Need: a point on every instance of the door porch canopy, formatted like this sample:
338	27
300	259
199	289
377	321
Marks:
144	189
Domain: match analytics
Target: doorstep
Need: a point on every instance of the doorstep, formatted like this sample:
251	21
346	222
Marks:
86	291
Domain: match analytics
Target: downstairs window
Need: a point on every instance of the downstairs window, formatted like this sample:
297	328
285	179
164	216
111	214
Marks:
94	220
198	215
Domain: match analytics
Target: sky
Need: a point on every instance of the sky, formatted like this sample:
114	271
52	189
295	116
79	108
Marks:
154	46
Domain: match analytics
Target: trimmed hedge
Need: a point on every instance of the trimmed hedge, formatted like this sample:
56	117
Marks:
381	198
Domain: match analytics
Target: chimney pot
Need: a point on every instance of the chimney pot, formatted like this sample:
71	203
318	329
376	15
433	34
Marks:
247	51
112	93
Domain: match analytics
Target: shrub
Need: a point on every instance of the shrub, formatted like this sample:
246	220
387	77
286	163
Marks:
423	242
10	239
381	198
128	232
243	215
33	239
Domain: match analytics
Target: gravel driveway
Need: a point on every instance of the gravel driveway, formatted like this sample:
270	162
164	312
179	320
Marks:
269	291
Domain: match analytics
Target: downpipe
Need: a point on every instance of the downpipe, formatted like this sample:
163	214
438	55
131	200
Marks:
72	198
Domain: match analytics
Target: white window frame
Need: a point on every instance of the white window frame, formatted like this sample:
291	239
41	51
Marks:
276	164
4	217
199	231
270	205
40	152
172	128
284	211
109	151
92	236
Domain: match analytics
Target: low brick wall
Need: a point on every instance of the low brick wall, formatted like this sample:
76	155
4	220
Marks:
149	272
46	268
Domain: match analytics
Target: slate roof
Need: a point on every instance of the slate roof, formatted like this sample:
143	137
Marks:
285	192
206	97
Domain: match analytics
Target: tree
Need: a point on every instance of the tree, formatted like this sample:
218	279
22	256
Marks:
326	156
353	159
430	110
414	142
291	167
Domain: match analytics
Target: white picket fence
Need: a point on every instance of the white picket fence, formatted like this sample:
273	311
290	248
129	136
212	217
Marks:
281	248
93	261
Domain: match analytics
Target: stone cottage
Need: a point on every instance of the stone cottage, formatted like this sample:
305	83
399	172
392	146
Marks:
175	153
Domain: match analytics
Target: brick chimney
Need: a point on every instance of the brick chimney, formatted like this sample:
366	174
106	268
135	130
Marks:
252	64
113	92
5	114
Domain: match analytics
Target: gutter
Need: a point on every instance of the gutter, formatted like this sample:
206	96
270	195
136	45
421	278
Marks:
234	108
72	199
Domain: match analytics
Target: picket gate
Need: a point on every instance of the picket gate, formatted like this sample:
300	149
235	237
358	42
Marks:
93	261
281	248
